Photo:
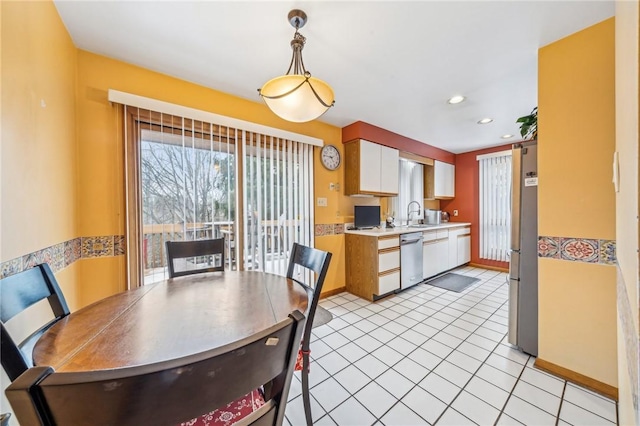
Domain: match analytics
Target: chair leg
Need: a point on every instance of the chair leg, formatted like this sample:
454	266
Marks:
306	398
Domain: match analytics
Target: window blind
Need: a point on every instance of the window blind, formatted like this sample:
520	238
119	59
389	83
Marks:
495	205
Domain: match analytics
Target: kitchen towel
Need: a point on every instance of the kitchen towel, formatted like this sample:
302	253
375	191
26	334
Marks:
453	282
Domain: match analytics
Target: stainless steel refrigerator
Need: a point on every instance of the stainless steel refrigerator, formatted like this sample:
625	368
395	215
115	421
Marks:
523	266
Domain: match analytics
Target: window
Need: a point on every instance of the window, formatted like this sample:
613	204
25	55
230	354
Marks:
410	188
495	205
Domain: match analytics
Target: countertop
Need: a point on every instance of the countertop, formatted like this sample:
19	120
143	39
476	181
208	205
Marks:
377	232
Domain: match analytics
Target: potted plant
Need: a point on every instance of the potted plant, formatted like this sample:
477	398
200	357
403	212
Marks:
529	125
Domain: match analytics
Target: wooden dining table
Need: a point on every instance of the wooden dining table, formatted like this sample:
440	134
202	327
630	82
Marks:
168	320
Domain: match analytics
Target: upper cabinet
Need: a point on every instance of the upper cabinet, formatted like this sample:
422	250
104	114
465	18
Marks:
370	169
439	181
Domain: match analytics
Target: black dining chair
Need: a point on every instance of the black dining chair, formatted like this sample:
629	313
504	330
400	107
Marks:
173	392
317	261
195	257
18	293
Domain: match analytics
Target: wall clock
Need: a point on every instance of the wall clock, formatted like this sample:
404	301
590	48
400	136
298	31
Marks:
330	157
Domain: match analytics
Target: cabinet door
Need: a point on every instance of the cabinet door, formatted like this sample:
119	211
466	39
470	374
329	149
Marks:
370	158
464	249
444	179
442	252
452	245
389	168
430	259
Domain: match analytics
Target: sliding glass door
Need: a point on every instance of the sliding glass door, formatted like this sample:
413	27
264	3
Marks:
190	180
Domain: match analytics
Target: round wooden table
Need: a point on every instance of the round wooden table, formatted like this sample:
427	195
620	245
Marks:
159	322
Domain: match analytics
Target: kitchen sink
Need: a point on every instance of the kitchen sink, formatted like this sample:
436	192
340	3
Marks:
422	225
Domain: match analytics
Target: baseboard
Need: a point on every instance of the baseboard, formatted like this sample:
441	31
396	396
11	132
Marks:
577	378
491	268
333	292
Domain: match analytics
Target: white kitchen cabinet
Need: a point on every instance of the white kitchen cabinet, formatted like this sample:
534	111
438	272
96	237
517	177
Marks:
459	246
435	253
370	169
464	249
444	180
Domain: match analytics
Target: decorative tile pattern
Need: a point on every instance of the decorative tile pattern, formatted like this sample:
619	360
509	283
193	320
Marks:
11	267
607	252
579	249
549	247
119	245
57	257
97	246
61	255
72	251
323	229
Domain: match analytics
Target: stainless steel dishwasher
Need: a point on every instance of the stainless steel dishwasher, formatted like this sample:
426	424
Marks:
410	259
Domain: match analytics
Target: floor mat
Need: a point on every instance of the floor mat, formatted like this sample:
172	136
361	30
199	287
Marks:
322	317
453	282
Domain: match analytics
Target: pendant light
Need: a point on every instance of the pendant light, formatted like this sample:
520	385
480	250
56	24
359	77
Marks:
297	96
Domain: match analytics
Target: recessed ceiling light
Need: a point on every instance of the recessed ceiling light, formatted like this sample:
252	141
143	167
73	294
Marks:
485	121
507	136
456	99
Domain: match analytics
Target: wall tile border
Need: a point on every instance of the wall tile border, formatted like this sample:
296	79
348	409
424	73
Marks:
61	255
324	229
572	249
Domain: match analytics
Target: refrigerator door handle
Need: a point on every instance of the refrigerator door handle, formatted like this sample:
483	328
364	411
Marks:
513	311
516	181
514	265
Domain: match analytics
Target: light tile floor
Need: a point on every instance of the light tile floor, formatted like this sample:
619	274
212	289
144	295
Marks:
431	356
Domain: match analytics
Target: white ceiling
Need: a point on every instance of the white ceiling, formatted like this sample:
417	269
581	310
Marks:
393	64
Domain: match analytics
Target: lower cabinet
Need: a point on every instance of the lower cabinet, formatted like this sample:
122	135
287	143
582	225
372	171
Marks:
464	249
435	252
372	265
459	246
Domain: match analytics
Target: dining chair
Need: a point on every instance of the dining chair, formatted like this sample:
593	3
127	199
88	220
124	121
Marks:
20	293
172	392
316	261
186	257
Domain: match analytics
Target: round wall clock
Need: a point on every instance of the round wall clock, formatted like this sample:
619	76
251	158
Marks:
330	157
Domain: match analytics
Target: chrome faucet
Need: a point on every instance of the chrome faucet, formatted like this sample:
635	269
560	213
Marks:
409	211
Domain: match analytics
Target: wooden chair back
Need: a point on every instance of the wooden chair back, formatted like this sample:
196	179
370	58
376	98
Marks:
316	261
195	257
18	293
166	393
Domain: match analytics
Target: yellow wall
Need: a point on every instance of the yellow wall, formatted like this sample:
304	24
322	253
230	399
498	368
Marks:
38	129
100	148
38	157
627	84
577	325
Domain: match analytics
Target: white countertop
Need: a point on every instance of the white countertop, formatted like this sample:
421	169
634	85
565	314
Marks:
377	232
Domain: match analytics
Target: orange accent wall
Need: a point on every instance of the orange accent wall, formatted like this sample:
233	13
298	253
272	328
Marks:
362	130
467	200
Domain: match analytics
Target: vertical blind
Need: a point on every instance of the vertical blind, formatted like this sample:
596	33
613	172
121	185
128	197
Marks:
278	200
495	205
193	175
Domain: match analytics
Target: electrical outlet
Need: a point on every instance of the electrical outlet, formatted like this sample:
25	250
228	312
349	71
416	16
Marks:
455	212
322	202
332	186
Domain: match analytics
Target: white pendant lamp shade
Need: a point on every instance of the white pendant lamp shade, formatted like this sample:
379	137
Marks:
297	96
301	104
